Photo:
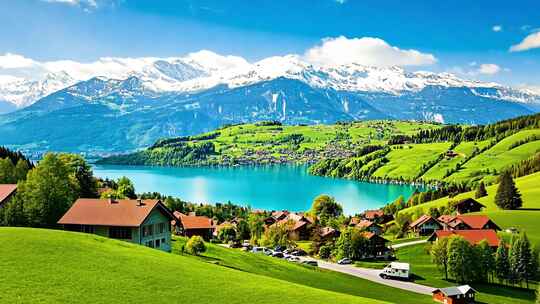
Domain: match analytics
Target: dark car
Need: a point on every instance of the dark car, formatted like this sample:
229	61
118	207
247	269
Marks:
278	254
279	248
299	252
311	263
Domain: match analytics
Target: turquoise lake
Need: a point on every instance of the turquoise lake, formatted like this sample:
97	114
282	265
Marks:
266	187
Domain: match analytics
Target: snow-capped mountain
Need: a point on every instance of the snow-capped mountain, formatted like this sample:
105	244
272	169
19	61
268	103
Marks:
204	70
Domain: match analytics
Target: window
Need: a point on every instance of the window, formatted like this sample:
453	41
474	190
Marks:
148	230
157	244
87	229
163	241
150	244
161	227
123	233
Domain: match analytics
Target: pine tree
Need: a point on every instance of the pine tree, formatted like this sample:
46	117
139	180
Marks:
481	191
508	196
514	256
524	270
502	264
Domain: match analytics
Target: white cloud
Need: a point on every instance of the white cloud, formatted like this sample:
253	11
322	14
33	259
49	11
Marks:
497	28
489	69
14	61
84	3
530	42
365	51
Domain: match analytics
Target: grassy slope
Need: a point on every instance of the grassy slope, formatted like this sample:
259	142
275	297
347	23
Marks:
426	273
527	220
47	266
305	275
499	156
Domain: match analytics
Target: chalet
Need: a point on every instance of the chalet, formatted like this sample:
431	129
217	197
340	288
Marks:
376	245
425	225
455	295
467	222
280	215
144	222
369	226
372	215
297	224
190	225
7	191
472	236
468	205
329	233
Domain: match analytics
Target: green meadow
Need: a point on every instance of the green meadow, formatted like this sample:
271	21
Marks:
51	266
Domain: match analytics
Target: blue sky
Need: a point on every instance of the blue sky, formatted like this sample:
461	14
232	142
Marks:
470	38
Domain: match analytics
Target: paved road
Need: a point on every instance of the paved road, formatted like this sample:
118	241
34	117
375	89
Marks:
373	275
408	244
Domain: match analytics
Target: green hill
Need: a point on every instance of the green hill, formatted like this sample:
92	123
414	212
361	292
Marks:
269	142
48	266
525	219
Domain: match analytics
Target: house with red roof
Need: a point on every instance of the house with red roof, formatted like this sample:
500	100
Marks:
298	225
369	226
144	222
472	236
372	215
376	247
7	191
425	225
467	222
190	225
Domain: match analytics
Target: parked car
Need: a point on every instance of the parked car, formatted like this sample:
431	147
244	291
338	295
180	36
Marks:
235	245
299	252
344	261
258	249
279	248
311	263
278	254
268	251
293	259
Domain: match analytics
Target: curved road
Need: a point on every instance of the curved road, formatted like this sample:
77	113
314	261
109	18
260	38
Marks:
373	275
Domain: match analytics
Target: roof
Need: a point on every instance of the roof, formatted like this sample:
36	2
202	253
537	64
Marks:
365	224
107	212
446	218
402	266
422	220
474	221
455	290
195	222
469	201
472	236
326	231
370	235
6	190
354	221
371	214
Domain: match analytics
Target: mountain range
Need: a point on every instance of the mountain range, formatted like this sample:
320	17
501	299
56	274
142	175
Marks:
141	100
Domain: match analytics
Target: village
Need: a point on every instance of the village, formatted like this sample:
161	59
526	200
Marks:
321	237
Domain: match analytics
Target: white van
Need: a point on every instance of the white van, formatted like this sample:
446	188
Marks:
396	271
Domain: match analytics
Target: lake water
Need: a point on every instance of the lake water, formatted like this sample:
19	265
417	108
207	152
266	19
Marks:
267	187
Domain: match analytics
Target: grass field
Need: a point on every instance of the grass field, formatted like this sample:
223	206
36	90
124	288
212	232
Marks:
525	220
427	274
48	266
304	275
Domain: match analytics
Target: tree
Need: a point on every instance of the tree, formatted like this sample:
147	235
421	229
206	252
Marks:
126	188
508	196
538	295
48	192
521	260
461	262
227	234
195	245
502	264
402	222
256	226
243	231
7	171
481	190
344	246
12	213
83	173
21	169
486	260
325	252
439	255
326	207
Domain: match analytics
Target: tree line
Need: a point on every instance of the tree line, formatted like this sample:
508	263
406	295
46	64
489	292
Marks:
514	263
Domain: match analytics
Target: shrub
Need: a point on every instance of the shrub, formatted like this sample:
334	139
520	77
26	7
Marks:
325	252
195	245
